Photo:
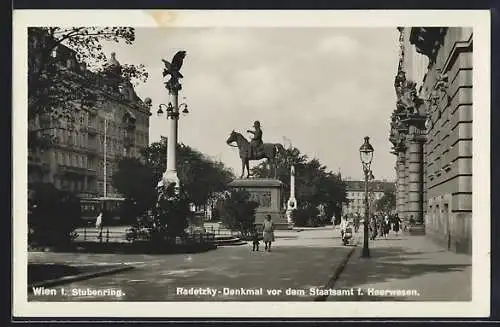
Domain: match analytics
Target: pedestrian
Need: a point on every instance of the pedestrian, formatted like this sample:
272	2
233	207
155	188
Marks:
343	225
255	239
396	224
98	221
373	228
380	225
387	226
356	223
268	233
346	230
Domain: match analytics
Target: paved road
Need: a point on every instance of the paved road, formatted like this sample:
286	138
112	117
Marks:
299	261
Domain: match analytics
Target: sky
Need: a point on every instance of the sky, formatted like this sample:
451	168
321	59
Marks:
320	89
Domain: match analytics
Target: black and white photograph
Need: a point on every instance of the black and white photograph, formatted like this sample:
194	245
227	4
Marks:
251	163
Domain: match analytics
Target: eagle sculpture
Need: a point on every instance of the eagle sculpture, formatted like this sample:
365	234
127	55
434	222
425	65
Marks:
173	69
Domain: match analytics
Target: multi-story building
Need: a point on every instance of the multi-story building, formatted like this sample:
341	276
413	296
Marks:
431	131
98	134
355	191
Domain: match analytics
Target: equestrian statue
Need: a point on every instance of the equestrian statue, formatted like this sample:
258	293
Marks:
255	149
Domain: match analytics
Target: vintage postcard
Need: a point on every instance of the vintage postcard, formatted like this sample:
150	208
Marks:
258	164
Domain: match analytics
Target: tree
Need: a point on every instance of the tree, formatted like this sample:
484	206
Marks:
53	216
56	91
200	176
137	183
238	212
137	180
387	202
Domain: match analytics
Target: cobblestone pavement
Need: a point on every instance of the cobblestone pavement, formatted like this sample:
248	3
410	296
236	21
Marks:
298	261
407	263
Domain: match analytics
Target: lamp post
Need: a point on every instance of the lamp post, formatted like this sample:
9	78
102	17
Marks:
172	114
366	155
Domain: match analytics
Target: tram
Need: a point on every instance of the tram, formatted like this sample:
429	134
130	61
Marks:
92	206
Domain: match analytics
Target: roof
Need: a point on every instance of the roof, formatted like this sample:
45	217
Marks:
359	186
256	182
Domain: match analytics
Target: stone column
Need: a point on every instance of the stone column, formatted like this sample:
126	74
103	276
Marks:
415	187
170	174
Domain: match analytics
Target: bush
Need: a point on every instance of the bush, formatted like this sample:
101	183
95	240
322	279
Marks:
166	220
53	216
238	212
306	217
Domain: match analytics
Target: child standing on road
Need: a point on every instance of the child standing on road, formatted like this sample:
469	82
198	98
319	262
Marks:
255	239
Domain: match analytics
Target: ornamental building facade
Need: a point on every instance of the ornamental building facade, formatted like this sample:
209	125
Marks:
116	125
431	133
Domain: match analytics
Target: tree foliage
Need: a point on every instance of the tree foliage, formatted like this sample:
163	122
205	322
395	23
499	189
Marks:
387	202
238	212
53	216
200	177
56	91
137	183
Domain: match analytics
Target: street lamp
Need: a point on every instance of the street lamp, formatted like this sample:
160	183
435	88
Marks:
366	155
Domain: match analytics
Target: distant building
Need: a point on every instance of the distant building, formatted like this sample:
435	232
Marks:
356	195
75	160
431	133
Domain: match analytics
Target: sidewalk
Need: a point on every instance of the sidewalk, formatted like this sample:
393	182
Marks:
407	263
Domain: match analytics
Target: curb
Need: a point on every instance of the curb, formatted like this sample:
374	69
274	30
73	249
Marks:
74	278
331	282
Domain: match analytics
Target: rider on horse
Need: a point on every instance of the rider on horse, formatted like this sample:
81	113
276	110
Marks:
256	141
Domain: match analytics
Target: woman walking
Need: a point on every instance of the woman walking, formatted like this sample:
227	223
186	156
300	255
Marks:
387	226
268	233
396	224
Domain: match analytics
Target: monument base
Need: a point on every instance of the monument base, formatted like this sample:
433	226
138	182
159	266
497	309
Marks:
169	177
267	193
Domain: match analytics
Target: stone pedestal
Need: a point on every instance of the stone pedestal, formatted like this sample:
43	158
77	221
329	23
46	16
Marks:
266	192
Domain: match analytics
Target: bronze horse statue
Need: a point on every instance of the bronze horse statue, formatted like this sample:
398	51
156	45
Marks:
267	151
